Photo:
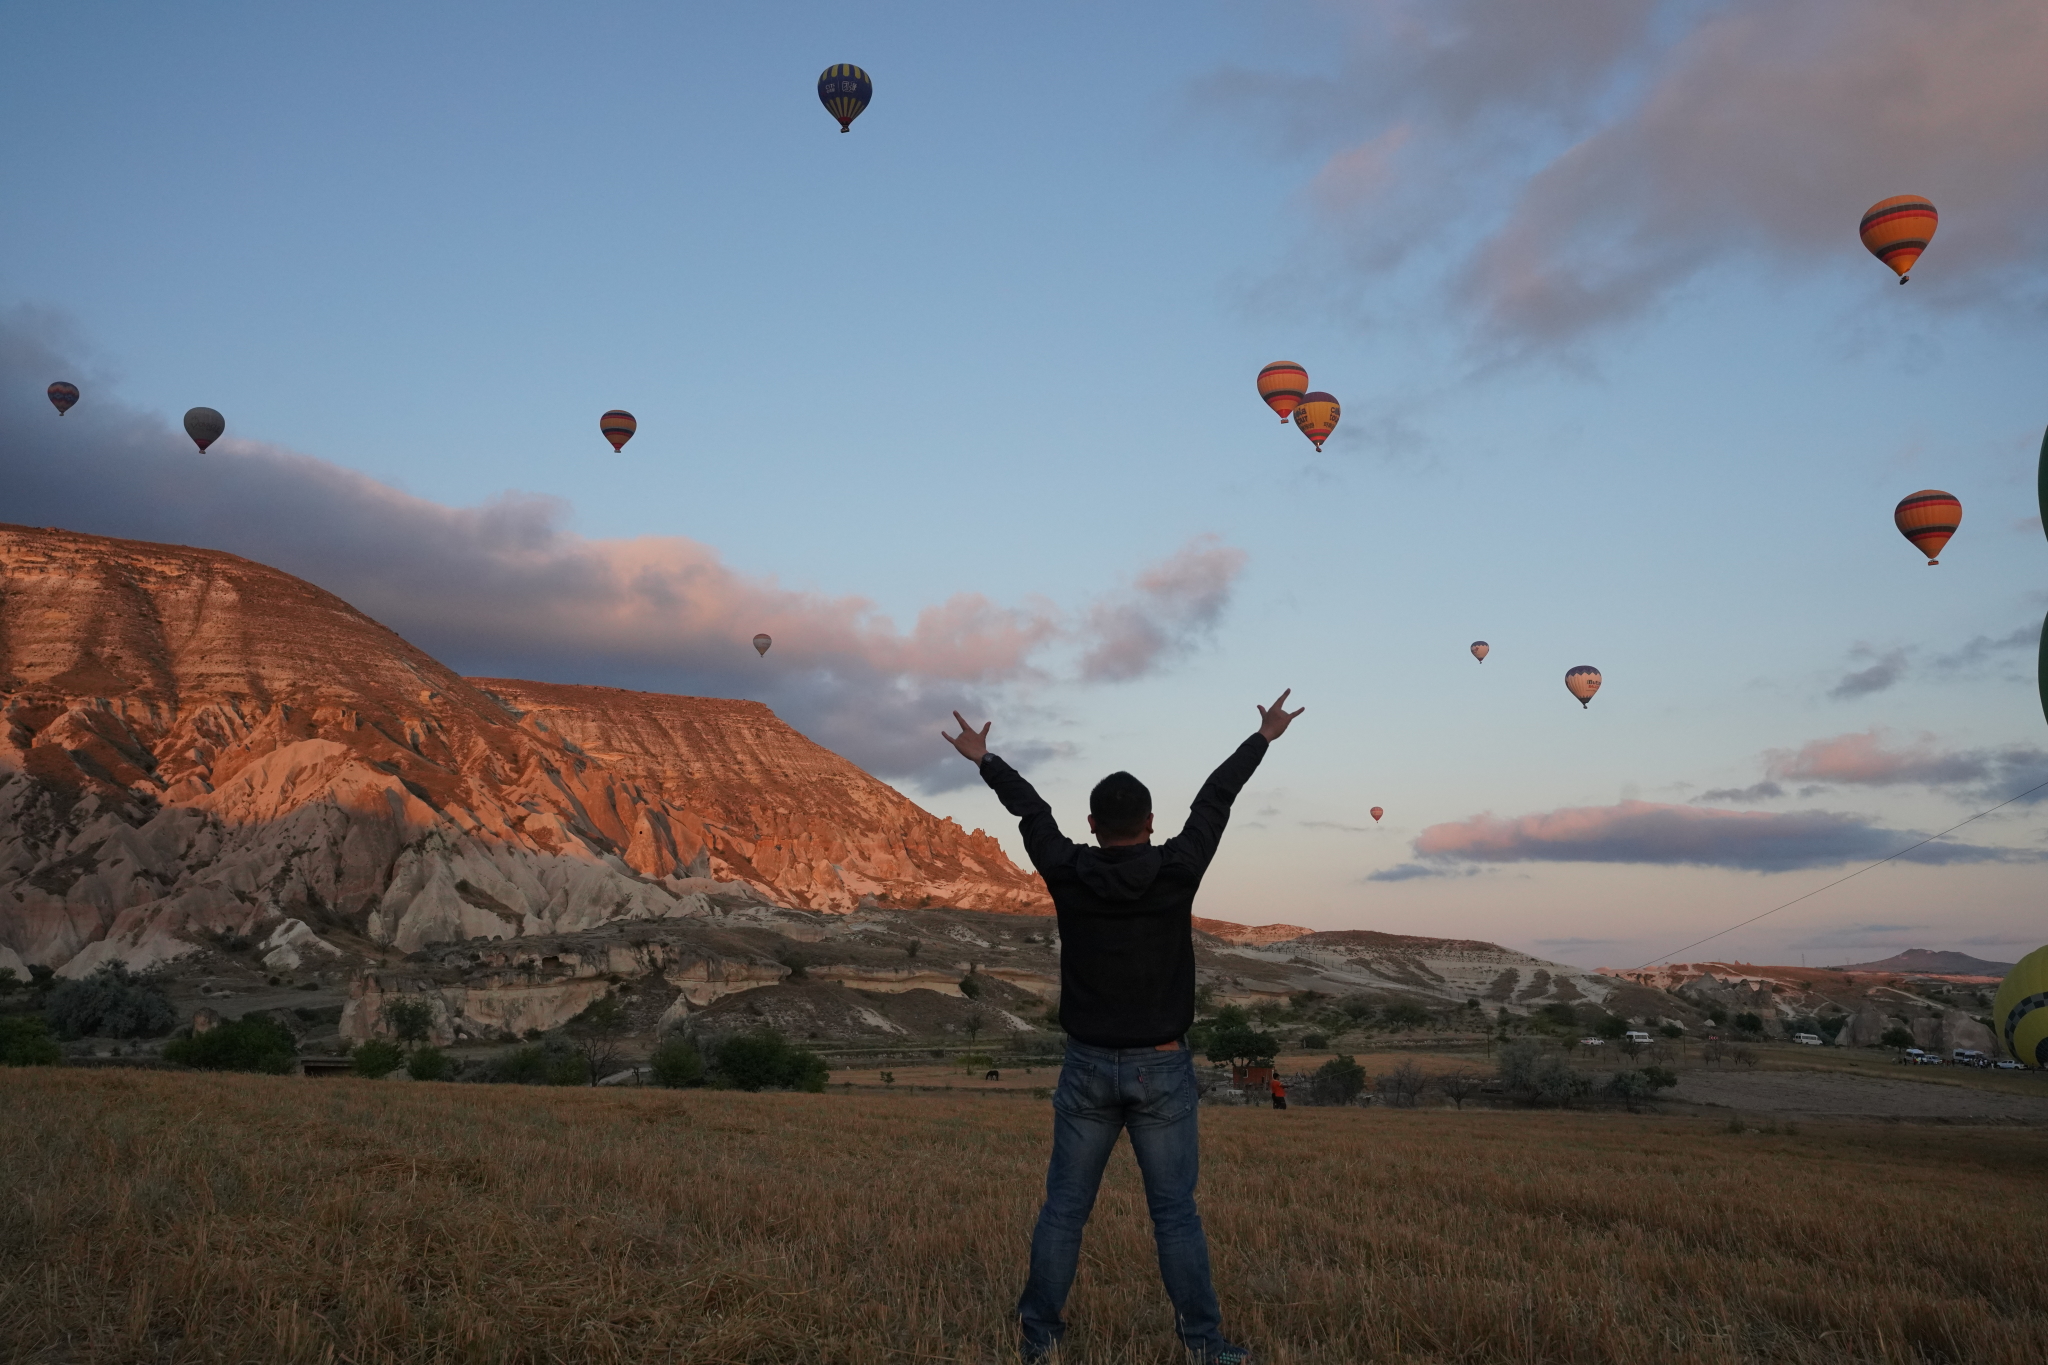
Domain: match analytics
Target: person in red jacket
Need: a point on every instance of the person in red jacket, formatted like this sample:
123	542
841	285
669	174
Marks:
1278	1092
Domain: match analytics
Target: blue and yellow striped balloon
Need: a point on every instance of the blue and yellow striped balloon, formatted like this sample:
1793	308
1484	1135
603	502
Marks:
845	90
2019	1016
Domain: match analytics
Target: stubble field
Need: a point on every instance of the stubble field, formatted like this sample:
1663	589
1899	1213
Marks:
168	1218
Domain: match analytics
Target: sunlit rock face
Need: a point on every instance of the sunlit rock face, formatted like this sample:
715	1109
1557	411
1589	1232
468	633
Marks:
197	744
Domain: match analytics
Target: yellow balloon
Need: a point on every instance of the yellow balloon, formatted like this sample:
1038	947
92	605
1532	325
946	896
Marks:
2019	1016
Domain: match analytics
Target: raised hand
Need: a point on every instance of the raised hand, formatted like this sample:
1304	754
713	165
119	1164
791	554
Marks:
1273	720
973	744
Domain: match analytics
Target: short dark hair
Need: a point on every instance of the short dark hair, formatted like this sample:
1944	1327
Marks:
1120	804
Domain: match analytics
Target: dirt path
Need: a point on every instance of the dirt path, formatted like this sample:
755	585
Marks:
1820	1095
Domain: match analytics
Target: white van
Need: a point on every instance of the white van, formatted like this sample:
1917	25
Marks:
1636	1035
1807	1039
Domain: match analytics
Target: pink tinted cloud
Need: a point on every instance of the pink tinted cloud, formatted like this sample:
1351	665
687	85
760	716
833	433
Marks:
1170	607
1649	832
1606	153
1865	759
504	589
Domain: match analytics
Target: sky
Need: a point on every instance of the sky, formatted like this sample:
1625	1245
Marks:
960	407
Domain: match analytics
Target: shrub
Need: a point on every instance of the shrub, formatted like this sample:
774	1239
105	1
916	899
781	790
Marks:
110	1003
1557	1014
764	1060
252	1043
1747	1022
1314	1042
677	1063
1517	1062
375	1057
1672	1031
1404	1015
1556	1082
1660	1077
1337	1081
1897	1036
1633	1087
970	986
1356	1008
26	1041
429	1064
552	1061
9	979
1610	1027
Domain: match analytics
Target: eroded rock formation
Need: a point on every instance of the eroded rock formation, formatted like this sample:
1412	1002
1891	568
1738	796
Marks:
197	744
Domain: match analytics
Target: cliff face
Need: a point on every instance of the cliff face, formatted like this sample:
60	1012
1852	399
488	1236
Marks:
196	743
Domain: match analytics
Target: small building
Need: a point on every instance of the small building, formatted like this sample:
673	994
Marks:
1254	1077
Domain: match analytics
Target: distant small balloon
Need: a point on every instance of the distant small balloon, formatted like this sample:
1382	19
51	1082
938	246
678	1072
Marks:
1928	518
1480	649
204	426
618	427
1282	384
1377	812
1898	229
761	643
1317	415
63	395
845	90
1582	682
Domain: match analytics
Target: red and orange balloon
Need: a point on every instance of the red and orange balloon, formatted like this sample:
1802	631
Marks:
1317	415
1283	384
1898	229
618	427
1928	518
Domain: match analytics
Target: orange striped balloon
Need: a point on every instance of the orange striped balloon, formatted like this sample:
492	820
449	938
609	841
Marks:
1376	814
1282	384
1898	229
1928	518
618	427
1317	415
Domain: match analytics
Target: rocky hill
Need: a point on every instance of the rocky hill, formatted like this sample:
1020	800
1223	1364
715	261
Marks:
1852	1008
1925	962
199	745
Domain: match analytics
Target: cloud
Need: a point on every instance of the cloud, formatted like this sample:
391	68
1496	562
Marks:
1584	159
1165	614
1332	824
503	589
1986	649
1862	759
1761	791
1647	832
1889	668
1408	872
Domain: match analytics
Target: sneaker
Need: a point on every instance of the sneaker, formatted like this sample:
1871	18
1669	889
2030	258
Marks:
1038	1355
1226	1354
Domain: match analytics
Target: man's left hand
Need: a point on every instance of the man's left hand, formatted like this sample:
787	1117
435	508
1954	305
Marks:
972	743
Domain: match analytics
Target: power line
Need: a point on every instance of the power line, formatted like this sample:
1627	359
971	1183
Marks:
1839	880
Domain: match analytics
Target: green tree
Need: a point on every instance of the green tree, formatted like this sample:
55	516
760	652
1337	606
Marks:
251	1043
1749	1023
1610	1027
1337	1081
111	1003
551	1061
970	986
25	1041
597	1033
677	1063
764	1060
1672	1031
375	1057
1404	1014
1231	1040
1897	1036
429	1064
1314	1042
411	1019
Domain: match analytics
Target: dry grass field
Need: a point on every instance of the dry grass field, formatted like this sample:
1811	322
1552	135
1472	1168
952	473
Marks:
167	1217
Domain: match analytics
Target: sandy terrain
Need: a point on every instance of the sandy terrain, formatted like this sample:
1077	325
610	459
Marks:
1813	1094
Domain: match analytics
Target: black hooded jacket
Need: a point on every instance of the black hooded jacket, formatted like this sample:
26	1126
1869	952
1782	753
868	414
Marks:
1127	952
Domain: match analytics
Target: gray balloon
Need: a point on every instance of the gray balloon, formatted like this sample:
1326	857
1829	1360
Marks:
204	426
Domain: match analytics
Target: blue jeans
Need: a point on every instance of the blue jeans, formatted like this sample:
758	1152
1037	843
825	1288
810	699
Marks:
1102	1092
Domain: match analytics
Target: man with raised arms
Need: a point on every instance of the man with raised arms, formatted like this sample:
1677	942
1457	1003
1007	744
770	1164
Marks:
1127	996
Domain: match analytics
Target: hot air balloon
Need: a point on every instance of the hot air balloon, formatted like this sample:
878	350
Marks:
1377	812
63	395
2019	1014
1582	682
1898	229
1480	649
204	426
1317	415
618	427
761	643
845	90
2041	493
1928	518
1282	385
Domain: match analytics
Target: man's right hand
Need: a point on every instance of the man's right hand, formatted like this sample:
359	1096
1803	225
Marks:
1273	721
973	744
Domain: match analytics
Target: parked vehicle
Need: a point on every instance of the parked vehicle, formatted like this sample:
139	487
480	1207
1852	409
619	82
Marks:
1591	1042
1807	1039
1636	1035
1969	1056
1928	1059
2008	1064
